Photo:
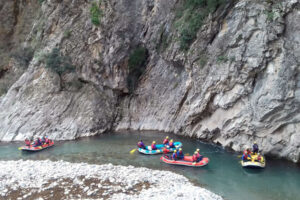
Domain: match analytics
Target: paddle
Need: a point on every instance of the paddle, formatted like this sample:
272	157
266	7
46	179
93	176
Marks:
20	148
187	154
132	151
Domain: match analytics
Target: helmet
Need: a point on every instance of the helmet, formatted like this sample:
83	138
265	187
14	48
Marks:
254	142
171	140
180	149
195	152
167	137
258	154
198	150
175	150
153	142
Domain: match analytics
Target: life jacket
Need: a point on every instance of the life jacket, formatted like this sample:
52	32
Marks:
153	146
141	144
195	158
179	154
166	141
165	150
198	155
27	142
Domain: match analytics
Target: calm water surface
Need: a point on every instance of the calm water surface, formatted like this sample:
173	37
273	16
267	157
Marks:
223	175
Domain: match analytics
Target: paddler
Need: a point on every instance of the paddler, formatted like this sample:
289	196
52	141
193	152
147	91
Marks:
140	144
180	155
199	156
255	148
153	145
171	144
27	142
166	141
195	159
174	155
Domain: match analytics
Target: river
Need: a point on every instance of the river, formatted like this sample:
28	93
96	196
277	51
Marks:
223	175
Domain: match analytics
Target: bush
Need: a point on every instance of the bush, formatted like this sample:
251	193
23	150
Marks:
136	66
95	14
191	17
57	63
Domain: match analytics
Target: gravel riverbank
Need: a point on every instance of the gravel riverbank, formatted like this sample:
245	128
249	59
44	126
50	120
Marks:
57	180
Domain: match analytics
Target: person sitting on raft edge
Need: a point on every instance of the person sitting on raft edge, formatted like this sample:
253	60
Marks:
255	148
195	159
246	155
174	155
171	144
140	144
166	141
180	155
199	156
153	145
37	142
27	142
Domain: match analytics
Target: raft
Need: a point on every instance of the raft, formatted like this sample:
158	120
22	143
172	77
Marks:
254	164
187	161
159	149
39	148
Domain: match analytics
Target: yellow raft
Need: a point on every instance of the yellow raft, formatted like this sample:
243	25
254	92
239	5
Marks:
253	163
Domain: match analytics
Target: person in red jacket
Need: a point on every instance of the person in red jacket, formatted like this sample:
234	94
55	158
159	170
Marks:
171	144
195	159
153	145
140	144
199	156
166	141
27	142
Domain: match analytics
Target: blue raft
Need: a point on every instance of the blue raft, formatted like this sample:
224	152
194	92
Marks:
159	149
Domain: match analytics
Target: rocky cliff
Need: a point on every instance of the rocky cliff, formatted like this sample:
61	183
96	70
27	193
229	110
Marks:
222	71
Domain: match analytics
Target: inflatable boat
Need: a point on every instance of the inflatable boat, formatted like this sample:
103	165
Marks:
159	149
187	161
254	163
38	148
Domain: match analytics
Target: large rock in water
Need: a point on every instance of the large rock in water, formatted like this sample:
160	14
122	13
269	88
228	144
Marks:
238	82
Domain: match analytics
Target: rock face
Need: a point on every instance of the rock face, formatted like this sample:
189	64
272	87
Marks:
237	83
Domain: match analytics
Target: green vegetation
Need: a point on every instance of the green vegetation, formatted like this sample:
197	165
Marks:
136	65
202	61
67	34
222	59
270	15
96	14
57	63
190	18
41	1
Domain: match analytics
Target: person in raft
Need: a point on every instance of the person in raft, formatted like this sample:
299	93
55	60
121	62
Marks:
199	156
171	144
166	141
255	148
195	159
180	155
37	142
153	145
27	142
174	155
246	156
259	158
140	144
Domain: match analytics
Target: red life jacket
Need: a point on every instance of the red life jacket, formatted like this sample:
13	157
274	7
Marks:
198	155
194	157
153	146
171	144
165	150
166	141
27	142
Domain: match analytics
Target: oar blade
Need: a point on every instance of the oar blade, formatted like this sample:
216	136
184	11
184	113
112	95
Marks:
132	151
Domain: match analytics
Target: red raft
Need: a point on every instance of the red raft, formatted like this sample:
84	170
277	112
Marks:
39	148
186	161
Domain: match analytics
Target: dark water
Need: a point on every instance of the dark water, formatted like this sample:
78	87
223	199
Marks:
280	180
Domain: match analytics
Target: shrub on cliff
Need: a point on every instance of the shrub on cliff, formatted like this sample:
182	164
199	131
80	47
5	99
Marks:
23	56
95	14
190	18
136	66
57	63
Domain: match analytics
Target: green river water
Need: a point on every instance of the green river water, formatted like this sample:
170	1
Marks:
280	180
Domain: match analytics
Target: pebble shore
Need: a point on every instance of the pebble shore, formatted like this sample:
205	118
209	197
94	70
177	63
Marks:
46	179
